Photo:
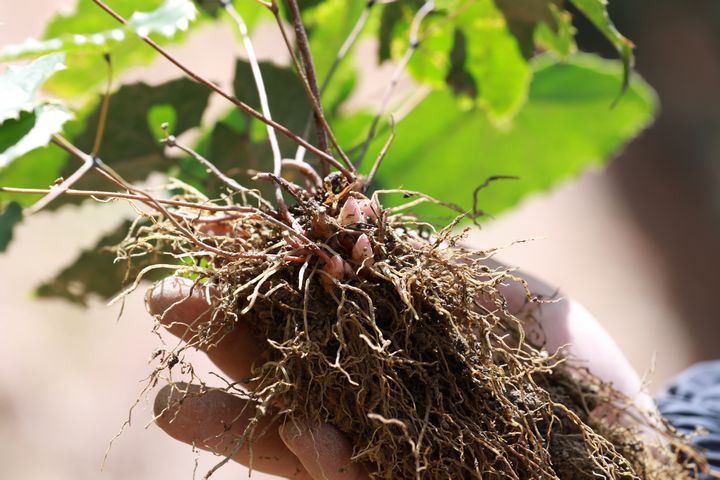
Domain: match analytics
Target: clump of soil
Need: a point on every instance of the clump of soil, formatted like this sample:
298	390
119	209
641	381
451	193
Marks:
401	340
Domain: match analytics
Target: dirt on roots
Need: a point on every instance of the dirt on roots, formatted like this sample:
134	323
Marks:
402	340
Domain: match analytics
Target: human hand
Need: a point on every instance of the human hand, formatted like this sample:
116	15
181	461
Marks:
214	421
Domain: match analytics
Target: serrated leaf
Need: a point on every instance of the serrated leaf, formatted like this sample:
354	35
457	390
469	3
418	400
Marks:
167	19
596	12
171	16
94	271
129	145
565	127
9	218
49	120
20	83
90	25
558	39
495	61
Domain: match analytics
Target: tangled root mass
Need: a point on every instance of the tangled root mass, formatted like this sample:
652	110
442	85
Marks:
403	342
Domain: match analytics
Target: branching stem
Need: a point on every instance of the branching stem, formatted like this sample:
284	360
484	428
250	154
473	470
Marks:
307	60
264	104
324	156
56	191
427	7
314	102
344	49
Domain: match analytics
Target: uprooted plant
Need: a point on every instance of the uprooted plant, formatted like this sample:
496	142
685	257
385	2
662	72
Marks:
374	321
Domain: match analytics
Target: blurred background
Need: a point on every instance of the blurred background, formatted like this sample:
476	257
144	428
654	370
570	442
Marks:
637	244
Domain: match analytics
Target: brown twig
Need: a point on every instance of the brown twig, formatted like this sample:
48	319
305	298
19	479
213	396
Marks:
339	57
56	191
307	60
264	103
314	102
427	7
105	108
383	152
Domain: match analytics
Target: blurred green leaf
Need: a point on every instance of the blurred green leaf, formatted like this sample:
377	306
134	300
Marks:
596	12
10	216
14	129
560	38
493	57
49	120
171	16
330	22
525	16
495	61
168	18
99	33
566	126
40	167
95	272
159	116
20	83
130	146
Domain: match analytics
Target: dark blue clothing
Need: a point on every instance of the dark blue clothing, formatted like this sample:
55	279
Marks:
693	400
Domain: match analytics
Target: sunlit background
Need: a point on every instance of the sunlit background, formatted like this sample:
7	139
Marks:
637	244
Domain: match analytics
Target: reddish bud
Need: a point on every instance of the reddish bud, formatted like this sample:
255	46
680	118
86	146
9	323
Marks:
370	209
350	213
333	269
362	252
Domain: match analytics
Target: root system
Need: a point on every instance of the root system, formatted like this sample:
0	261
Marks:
388	330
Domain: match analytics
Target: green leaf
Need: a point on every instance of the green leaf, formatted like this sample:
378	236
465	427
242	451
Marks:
95	272
49	120
557	38
525	17
130	146
566	126
495	61
11	216
39	168
171	16
159	116
167	19
20	83
89	32
492	57
596	12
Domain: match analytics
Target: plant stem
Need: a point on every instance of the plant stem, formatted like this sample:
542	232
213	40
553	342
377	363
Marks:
264	105
304	47
383	152
102	122
412	47
344	49
171	141
56	191
324	156
314	103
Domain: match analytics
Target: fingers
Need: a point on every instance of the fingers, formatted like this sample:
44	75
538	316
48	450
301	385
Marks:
564	323
182	306
215	421
323	450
